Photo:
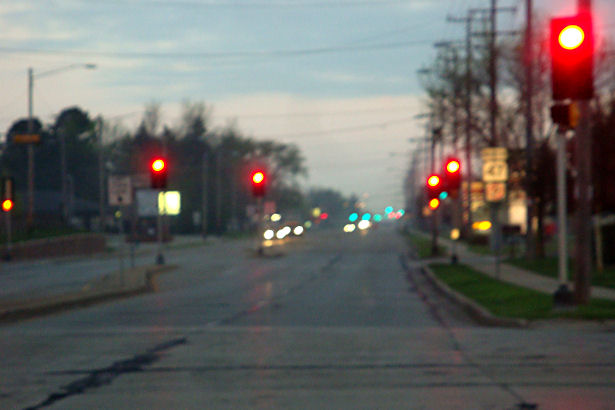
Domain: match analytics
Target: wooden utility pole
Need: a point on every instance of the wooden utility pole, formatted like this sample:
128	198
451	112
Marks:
529	128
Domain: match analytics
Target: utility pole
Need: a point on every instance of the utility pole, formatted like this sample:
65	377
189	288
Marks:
204	207
101	174
496	235
529	118
468	108
219	189
584	191
30	214
493	102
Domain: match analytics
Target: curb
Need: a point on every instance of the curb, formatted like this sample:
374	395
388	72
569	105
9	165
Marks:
98	291
479	313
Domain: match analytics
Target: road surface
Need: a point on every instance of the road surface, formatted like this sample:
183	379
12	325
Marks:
335	321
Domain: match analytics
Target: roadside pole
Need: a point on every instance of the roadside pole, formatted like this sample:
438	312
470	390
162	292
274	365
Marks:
160	256
495	175
562	295
9	242
260	214
121	247
434	232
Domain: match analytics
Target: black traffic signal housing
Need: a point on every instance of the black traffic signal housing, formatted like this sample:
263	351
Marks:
8	193
565	114
572	57
452	176
433	186
158	173
258	179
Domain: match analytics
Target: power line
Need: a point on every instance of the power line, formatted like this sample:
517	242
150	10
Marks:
342	130
315	114
277	4
219	55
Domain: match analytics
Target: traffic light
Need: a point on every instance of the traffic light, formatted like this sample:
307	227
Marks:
433	186
572	57
8	193
434	203
452	176
158	173
258	183
7	205
566	115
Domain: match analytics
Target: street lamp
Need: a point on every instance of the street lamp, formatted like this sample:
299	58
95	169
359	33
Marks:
31	76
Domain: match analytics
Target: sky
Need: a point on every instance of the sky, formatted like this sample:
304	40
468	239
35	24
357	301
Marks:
336	77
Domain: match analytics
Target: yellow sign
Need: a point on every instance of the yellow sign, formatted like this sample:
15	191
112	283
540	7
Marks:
26	138
495	191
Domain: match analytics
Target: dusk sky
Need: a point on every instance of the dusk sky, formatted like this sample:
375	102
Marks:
336	77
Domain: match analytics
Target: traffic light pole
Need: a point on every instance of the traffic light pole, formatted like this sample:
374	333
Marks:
562	295
584	192
434	233
9	243
584	211
260	214
160	256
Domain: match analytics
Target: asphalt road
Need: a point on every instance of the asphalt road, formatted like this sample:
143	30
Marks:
335	321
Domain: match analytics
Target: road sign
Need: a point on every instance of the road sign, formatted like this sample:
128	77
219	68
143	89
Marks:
26	139
494	154
495	171
120	190
495	168
495	191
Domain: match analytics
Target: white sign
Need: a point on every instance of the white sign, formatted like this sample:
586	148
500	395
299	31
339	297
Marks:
495	171
147	202
151	202
120	190
169	203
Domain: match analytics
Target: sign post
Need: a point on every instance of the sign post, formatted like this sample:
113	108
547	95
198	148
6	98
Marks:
495	175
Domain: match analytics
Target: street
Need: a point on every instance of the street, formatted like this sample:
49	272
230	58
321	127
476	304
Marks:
331	320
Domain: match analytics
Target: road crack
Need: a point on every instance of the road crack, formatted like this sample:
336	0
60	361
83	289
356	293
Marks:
105	376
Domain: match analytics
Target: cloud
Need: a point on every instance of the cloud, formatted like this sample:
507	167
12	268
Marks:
350	78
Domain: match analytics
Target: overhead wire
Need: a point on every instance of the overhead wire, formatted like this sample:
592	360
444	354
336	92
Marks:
220	54
259	4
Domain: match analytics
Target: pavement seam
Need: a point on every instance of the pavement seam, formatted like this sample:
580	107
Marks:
482	313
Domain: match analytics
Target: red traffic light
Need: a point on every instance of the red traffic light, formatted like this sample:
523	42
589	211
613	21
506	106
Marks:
433	186
258	177
7	205
433	181
158	165
571	37
572	57
452	176
453	166
158	173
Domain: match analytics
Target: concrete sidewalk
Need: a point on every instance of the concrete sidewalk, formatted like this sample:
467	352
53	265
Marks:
486	264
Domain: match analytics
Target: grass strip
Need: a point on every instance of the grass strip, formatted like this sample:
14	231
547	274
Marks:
422	245
548	267
512	301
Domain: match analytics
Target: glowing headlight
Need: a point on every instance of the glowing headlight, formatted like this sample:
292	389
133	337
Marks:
269	234
349	228
298	230
364	225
